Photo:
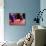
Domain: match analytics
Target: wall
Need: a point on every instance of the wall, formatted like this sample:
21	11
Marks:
29	7
43	6
1	21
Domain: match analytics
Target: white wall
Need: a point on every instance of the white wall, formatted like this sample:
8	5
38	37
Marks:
1	21
43	6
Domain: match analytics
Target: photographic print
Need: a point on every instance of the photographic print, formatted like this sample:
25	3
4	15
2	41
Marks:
17	18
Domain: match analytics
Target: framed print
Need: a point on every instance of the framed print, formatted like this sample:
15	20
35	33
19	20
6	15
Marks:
17	18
